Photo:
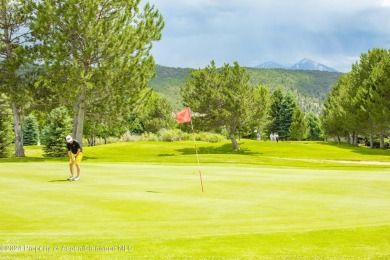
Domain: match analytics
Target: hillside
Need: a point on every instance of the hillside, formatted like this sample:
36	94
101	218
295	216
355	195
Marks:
310	88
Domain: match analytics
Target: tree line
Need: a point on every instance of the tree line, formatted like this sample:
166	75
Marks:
84	67
358	106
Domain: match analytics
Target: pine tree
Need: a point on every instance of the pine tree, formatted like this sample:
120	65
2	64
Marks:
30	130
98	53
58	126
276	102
314	126
285	116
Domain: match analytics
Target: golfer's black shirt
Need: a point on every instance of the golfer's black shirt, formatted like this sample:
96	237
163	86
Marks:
74	146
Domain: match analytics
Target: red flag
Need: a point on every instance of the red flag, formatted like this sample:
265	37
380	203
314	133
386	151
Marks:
183	116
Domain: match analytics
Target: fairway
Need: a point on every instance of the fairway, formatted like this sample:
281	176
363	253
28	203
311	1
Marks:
138	210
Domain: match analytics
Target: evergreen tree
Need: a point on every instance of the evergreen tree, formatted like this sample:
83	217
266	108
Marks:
58	126
97	53
275	125
285	116
314	127
30	130
6	134
298	128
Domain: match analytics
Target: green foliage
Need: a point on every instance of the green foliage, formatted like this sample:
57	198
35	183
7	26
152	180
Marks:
98	54
209	137
285	116
6	131
30	130
223	98
275	125
310	88
172	135
359	103
298	128
58	126
314	126
156	114
260	110
16	48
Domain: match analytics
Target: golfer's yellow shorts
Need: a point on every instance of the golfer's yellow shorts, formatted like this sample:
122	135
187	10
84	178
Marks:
78	158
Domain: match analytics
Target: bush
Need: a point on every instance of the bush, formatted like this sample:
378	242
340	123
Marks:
167	135
146	136
209	137
172	135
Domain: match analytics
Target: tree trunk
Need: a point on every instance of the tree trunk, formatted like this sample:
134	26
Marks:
382	141
234	142
19	150
355	139
78	122
371	141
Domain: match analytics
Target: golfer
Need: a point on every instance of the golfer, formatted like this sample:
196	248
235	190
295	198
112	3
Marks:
75	152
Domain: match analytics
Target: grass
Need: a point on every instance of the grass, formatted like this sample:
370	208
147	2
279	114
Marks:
144	200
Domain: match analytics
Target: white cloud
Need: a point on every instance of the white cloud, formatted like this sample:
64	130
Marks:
385	3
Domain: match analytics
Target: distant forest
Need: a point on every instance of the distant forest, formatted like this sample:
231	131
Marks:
310	88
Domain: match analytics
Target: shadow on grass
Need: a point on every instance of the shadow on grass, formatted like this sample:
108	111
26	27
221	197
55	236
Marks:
42	159
363	150
222	149
165	154
33	159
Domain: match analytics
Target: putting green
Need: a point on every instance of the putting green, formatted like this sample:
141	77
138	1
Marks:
130	210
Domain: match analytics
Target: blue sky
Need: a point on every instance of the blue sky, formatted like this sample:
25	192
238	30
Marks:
332	32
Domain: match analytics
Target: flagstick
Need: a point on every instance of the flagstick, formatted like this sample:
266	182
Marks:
197	156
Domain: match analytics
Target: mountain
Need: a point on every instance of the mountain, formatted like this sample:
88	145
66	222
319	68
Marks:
306	64
310	88
270	65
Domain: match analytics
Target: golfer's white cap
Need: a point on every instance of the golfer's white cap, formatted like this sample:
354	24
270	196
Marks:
69	139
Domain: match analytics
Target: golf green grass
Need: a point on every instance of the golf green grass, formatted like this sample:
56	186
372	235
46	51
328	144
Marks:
144	200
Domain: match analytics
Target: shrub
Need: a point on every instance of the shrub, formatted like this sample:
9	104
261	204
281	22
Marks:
146	136
210	137
172	135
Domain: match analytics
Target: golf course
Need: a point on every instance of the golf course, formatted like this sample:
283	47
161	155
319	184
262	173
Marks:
144	200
